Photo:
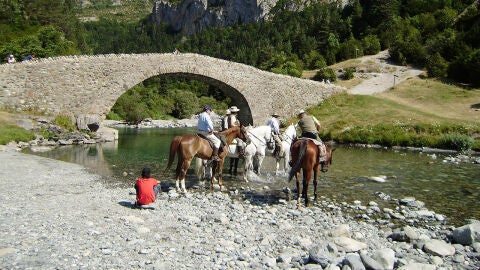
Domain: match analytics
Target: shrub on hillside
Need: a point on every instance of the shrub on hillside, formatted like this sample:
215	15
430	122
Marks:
325	74
348	74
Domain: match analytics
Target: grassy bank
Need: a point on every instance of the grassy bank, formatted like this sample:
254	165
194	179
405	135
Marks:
417	112
9	131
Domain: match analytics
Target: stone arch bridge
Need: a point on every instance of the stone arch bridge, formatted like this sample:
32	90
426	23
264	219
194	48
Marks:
83	86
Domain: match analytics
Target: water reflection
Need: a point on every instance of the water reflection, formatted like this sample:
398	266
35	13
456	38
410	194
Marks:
453	190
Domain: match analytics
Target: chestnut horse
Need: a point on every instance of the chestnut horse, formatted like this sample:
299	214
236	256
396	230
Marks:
189	146
305	153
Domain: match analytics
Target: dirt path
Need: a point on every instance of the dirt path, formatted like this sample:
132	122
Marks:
384	76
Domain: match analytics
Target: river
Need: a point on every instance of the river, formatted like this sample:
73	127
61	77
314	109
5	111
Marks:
449	189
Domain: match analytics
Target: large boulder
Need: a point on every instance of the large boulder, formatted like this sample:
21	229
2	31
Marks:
468	234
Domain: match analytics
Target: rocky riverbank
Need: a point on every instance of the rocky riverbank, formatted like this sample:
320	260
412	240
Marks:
58	215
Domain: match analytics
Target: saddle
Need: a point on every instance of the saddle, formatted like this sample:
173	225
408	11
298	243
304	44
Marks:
321	147
222	141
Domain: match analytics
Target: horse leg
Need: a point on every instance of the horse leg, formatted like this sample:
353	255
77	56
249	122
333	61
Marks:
178	172
260	161
315	175
277	165
236	165
185	165
306	178
220	166
231	165
299	198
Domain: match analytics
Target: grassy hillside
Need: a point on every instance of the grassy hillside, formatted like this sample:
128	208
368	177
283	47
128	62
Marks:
417	112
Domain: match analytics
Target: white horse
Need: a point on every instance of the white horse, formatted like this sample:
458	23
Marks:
260	143
287	137
261	140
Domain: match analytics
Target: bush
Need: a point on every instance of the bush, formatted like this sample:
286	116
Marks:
64	121
348	74
325	74
456	141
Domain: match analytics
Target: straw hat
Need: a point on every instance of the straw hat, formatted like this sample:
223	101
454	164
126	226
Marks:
275	114
300	112
234	109
227	112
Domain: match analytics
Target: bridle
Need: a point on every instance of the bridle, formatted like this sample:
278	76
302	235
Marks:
260	139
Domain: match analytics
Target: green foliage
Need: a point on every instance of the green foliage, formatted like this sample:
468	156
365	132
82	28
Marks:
325	74
456	141
64	121
436	66
371	45
348	74
10	133
467	68
405	135
185	103
314	60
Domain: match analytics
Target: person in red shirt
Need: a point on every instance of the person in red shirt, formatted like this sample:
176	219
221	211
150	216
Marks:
147	188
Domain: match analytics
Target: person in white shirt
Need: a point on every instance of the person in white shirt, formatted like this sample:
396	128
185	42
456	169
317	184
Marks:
274	124
205	127
225	119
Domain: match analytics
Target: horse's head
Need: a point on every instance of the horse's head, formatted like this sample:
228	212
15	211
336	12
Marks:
325	164
290	134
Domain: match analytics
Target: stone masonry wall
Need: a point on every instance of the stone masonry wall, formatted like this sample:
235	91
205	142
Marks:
90	85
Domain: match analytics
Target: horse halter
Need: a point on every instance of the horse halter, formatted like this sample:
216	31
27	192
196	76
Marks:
244	134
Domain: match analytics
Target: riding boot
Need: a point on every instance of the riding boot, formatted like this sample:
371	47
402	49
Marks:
215	156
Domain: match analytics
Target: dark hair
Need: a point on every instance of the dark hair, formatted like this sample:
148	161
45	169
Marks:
146	173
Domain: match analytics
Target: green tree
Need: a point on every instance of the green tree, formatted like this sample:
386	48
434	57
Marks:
436	66
371	45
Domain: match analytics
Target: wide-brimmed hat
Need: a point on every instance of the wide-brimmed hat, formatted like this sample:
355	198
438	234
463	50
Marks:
300	112
275	114
234	109
228	111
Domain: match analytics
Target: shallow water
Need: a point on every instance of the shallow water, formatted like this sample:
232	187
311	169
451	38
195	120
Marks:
449	189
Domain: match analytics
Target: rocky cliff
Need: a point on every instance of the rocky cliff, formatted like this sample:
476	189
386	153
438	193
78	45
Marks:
191	16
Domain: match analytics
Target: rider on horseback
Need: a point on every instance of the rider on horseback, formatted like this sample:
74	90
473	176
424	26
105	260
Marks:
309	125
274	124
205	127
234	122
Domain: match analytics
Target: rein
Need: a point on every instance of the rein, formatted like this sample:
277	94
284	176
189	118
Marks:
260	139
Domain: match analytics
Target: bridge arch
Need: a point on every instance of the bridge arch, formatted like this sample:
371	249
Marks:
239	100
90	85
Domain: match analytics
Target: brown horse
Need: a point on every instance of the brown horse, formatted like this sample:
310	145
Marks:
305	153
189	146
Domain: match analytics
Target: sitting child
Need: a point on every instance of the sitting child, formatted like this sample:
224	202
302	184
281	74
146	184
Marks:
147	188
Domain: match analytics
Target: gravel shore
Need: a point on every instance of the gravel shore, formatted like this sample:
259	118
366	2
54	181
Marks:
57	215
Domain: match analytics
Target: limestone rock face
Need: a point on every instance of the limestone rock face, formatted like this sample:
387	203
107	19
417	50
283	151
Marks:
192	16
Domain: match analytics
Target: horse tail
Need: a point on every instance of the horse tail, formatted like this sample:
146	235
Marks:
173	149
302	149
